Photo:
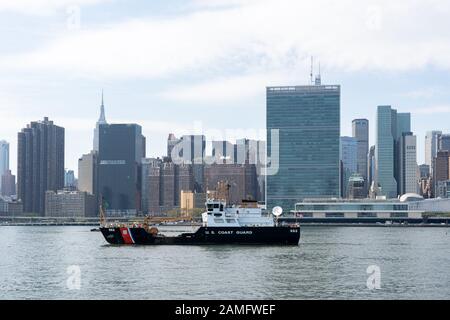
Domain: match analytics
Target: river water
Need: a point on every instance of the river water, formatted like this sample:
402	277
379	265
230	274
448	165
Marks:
329	263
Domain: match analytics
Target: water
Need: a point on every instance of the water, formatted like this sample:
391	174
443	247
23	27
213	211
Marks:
330	263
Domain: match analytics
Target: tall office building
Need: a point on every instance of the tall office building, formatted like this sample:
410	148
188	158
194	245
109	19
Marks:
390	128
147	165
163	183
101	121
223	152
8	184
424	171
4	159
409	171
70	182
88	172
88	176
307	119
360	129
121	150
191	150
240	177
444	142
431	146
371	167
40	163
172	141
441	170
349	158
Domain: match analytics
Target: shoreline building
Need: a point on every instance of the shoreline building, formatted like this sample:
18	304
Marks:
304	160
360	130
40	163
70	204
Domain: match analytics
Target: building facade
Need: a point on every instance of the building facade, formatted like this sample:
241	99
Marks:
390	128
371	167
349	159
304	155
8	184
441	169
4	159
70	204
121	150
10	207
241	179
431	146
40	163
360	130
409	170
88	173
444	142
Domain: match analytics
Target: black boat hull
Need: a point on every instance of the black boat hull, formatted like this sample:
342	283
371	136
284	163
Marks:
282	235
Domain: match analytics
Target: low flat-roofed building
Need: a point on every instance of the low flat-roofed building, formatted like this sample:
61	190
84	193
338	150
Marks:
70	204
408	206
10	206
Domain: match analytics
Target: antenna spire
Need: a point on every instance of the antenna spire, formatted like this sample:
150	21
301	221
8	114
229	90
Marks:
312	70
102	119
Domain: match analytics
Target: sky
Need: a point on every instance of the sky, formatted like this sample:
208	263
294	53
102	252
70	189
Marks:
201	66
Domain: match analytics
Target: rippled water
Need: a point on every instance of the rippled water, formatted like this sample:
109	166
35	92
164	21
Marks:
329	263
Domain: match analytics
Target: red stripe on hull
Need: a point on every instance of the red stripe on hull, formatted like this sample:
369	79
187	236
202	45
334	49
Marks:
125	232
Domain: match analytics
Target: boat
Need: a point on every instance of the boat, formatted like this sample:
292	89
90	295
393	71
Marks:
244	224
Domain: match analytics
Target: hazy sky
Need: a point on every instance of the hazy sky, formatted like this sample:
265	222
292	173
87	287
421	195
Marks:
176	66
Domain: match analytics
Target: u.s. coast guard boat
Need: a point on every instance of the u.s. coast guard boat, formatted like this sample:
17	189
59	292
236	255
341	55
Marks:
221	224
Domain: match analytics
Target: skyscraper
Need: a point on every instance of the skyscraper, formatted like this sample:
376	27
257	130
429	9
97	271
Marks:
441	169
444	142
70	181
409	178
121	149
307	119
40	163
88	172
349	158
431	146
191	150
371	167
8	184
4	159
360	129
390	128
223	152
172	141
101	121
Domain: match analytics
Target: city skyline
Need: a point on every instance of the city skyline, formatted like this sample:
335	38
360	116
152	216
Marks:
57	67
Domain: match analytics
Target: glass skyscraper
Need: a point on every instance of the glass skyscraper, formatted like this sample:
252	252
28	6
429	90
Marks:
390	128
121	150
308	122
